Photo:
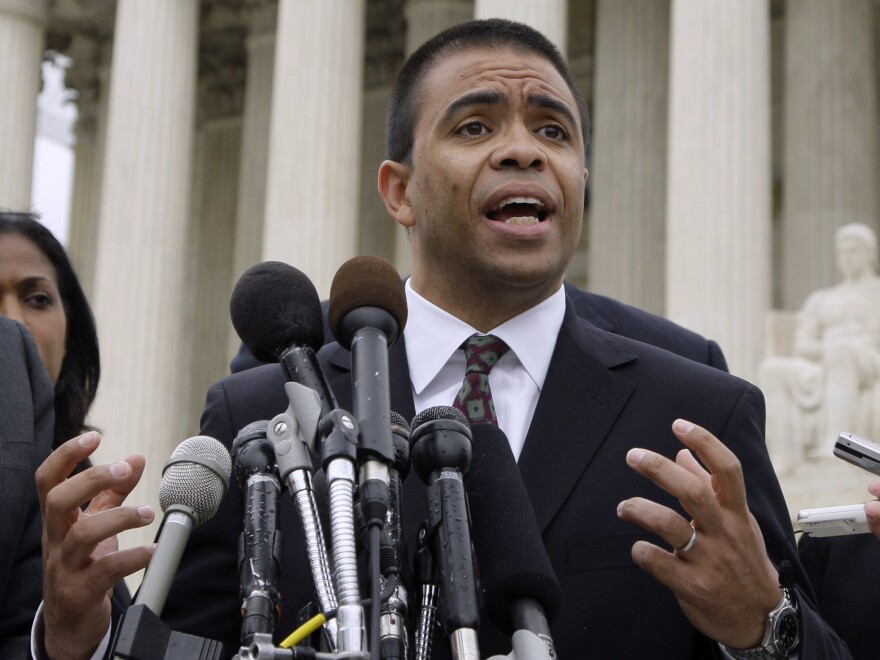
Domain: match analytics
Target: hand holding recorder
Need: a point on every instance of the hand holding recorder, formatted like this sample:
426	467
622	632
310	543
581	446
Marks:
854	518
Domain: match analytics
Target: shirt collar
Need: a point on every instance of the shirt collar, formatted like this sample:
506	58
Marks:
432	336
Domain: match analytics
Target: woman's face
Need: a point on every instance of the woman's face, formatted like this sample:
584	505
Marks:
29	294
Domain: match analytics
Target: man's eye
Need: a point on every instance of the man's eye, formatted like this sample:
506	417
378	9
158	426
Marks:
473	129
553	132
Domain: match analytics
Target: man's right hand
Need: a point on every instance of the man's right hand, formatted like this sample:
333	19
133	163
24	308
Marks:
81	557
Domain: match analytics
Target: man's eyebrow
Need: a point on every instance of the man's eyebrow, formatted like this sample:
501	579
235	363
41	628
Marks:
488	97
552	103
484	97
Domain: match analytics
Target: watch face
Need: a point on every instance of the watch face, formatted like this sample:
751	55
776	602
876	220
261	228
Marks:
787	632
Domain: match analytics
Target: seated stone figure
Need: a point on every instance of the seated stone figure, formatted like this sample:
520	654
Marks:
832	382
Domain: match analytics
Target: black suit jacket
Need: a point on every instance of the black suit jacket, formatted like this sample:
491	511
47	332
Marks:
26	423
845	572
603	395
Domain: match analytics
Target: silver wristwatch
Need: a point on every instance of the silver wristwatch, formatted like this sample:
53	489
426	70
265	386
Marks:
781	636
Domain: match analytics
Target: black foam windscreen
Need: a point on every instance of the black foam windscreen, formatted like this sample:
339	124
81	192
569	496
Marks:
366	282
400	437
275	305
507	541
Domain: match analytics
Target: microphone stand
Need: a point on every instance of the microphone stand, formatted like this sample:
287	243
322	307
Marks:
394	639
339	433
144	636
441	450
292	434
426	583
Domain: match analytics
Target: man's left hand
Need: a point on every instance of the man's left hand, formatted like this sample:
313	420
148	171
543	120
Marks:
724	582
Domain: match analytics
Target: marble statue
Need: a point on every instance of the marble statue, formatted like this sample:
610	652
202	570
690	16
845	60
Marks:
831	383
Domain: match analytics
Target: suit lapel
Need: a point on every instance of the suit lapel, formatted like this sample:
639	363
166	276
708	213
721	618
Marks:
581	399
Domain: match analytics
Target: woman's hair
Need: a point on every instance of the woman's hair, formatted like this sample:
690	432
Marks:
81	368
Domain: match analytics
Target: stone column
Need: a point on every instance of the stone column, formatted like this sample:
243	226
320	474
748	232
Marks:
831	137
140	277
628	191
214	201
21	51
718	181
210	250
424	19
250	211
314	146
581	58
90	77
550	17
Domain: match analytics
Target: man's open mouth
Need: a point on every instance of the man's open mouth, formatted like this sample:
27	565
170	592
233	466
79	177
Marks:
522	211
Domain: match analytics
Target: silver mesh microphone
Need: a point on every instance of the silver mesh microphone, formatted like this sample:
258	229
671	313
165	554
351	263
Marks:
196	477
194	482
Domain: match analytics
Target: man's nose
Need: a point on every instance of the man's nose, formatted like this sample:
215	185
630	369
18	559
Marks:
520	149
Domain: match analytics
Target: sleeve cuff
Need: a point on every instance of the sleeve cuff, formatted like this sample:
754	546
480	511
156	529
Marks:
38	634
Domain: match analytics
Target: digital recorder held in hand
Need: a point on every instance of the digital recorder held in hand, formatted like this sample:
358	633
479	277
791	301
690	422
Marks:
858	451
834	520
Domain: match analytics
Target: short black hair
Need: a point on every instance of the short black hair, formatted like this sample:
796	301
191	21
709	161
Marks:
494	33
81	368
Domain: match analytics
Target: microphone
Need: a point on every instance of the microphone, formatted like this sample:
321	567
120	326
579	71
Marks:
276	312
441	451
259	548
521	588
393	633
366	314
399	471
194	482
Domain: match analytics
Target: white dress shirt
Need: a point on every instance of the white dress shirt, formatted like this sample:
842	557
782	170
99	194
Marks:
433	340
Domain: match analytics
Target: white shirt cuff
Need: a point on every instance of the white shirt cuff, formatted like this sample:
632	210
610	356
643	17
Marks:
38	633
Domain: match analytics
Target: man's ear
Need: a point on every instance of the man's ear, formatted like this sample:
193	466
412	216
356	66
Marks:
393	181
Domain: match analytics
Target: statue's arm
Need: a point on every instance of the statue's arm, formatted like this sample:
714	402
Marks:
808	331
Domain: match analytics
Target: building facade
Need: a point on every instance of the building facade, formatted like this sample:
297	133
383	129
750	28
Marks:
730	139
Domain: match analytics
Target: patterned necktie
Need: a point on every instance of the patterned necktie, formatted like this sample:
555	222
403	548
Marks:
474	398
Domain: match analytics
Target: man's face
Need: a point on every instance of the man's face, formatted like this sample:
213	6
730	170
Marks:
496	186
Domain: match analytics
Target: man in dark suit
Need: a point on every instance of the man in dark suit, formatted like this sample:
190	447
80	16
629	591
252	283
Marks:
486	141
26	424
488	184
845	572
